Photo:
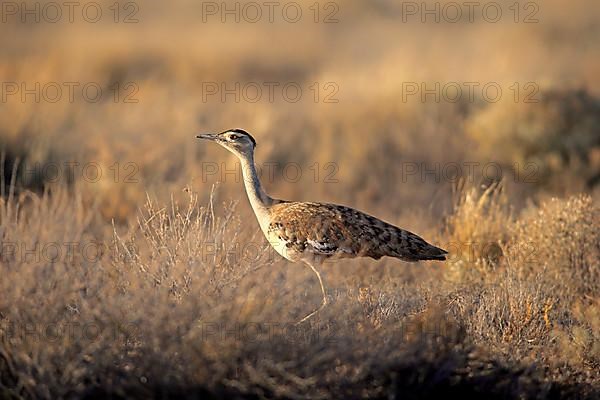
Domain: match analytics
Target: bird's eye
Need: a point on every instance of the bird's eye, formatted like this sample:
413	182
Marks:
234	137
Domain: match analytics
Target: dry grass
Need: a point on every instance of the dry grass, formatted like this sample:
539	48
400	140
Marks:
174	307
153	283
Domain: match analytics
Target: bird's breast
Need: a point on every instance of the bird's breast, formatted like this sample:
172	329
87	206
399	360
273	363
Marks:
282	246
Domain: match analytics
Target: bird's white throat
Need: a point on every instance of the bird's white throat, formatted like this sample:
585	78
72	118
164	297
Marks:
259	199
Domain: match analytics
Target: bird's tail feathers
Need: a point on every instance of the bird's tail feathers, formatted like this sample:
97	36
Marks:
420	250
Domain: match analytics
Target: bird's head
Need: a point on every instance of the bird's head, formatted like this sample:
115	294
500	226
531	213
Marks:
238	141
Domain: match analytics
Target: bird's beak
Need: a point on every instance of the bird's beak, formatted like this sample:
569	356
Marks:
208	136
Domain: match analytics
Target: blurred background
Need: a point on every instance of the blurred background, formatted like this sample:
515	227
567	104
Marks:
382	104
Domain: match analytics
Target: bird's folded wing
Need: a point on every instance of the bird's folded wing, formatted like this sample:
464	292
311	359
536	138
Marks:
317	228
329	229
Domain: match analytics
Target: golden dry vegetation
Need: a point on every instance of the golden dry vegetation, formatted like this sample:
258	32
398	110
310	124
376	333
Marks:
131	265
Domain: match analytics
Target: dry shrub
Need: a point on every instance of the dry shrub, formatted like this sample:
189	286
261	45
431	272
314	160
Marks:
538	295
558	246
505	312
576	340
561	238
162	314
477	230
159	313
187	300
496	306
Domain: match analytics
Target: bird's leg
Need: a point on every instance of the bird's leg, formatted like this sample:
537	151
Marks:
322	291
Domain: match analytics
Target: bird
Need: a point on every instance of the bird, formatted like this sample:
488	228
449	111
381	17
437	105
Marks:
311	232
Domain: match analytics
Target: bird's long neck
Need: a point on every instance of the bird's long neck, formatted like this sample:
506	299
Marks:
259	199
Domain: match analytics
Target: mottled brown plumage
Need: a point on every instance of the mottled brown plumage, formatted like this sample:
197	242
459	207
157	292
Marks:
315	232
334	231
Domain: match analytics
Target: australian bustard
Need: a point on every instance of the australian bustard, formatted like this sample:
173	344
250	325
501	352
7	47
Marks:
314	232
